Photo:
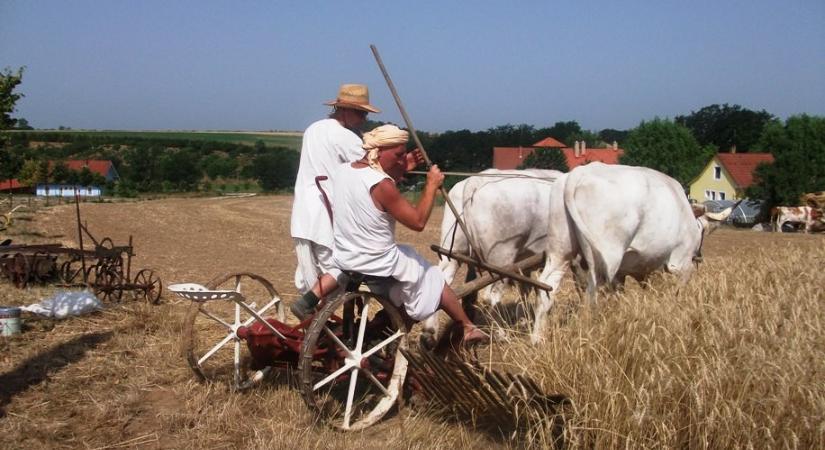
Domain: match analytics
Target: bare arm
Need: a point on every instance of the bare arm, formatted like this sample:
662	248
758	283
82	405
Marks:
387	196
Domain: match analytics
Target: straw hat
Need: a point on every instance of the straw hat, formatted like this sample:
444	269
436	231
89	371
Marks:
355	96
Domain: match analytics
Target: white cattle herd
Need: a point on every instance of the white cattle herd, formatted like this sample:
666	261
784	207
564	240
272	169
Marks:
605	222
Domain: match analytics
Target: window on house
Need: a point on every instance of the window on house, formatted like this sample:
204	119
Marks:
707	194
717	173
721	195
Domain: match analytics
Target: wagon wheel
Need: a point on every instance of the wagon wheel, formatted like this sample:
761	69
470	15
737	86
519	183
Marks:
150	284
20	270
43	266
106	284
352	379
68	273
211	347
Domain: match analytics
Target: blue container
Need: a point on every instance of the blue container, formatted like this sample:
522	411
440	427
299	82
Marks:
9	320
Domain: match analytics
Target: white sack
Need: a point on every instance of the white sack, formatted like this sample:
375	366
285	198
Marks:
66	303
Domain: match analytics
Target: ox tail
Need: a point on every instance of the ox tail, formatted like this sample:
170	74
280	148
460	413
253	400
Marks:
596	264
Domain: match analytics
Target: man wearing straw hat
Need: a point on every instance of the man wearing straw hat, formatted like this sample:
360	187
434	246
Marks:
327	144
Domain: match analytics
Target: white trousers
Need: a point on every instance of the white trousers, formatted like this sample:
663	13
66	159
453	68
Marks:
314	260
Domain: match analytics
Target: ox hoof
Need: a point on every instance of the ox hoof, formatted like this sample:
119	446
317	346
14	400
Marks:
427	340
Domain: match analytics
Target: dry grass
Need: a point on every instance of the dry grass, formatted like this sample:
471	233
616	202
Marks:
734	360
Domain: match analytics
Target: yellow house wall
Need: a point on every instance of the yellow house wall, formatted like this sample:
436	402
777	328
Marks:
705	181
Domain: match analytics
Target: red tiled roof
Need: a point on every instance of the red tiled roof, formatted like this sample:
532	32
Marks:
11	184
740	166
549	142
605	155
95	165
506	158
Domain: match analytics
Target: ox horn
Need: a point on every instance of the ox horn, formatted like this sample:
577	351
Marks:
720	216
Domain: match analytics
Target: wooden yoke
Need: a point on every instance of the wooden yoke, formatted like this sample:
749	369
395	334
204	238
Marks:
476	250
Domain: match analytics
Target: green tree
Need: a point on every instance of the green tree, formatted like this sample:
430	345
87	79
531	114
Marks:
275	170
546	158
588	137
798	148
216	166
23	124
563	131
10	163
8	99
725	126
667	147
180	168
34	172
610	135
61	173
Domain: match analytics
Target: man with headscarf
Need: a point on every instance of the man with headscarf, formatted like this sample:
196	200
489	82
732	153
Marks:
366	205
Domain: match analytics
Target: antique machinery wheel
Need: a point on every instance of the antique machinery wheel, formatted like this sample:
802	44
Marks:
106	284
68	273
20	270
351	373
210	343
150	284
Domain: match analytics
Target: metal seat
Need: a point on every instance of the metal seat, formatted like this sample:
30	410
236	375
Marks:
356	279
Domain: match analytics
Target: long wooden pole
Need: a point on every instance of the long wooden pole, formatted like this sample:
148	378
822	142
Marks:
410	126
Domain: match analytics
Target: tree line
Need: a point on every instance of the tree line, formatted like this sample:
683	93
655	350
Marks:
148	164
680	148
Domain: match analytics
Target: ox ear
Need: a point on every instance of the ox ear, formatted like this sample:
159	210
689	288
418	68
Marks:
698	209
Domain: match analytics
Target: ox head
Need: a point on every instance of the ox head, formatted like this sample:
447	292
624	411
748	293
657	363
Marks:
708	222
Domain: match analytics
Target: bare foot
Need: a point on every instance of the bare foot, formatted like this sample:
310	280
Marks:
474	336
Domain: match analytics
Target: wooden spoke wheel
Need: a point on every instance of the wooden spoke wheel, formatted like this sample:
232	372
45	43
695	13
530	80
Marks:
210	343
352	371
106	284
149	284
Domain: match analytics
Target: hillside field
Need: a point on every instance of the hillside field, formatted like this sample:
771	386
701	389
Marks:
735	359
286	139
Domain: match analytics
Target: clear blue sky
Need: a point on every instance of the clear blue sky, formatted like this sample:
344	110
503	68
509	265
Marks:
270	65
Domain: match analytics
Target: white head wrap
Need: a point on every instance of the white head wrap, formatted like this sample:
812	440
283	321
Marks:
383	136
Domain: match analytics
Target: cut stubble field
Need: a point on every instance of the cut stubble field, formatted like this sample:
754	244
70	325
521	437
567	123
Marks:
734	359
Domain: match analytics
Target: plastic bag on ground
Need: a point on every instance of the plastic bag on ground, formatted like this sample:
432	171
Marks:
66	304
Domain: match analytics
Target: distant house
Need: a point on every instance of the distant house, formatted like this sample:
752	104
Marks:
105	168
727	175
14	186
67	190
505	158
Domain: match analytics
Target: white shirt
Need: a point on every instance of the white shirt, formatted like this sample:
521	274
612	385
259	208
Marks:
326	145
364	235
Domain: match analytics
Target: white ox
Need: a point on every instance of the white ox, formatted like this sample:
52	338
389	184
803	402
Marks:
622	221
506	212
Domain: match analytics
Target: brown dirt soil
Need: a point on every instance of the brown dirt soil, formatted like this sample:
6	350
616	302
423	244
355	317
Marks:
116	379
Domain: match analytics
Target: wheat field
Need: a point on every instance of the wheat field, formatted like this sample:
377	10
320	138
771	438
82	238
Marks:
735	359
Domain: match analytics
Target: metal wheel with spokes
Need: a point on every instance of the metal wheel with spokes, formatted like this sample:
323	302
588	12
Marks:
210	341
150	285
352	370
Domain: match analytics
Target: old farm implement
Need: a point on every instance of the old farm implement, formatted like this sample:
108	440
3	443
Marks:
353	357
106	269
